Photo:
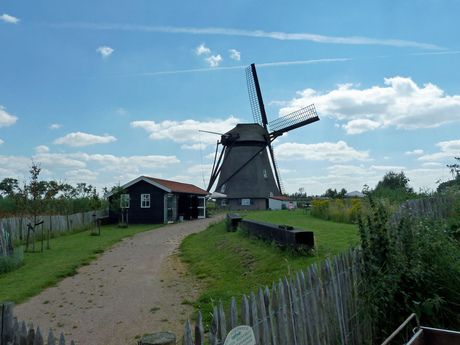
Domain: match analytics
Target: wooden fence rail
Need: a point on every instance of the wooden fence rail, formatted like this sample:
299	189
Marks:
17	227
317	306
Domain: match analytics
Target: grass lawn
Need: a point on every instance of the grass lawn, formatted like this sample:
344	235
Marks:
67	253
230	264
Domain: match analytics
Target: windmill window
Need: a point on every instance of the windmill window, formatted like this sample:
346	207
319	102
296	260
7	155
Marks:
223	188
124	201
265	173
145	200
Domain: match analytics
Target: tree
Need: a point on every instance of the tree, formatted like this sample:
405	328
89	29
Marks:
9	186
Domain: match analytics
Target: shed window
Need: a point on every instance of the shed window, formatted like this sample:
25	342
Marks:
124	201
145	200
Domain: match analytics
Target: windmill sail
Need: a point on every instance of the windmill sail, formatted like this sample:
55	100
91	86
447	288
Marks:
255	97
293	120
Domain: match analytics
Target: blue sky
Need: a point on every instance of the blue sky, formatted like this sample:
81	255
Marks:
102	92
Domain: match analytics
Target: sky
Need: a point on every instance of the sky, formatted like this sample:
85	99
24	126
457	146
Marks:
101	92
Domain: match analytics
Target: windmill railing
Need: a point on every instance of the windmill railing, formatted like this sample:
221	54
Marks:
317	306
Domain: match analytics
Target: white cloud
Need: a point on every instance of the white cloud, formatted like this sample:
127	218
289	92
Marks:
55	126
187	131
9	19
360	126
193	147
247	33
387	168
122	111
5	118
432	164
132	163
1	141
83	139
235	55
52	161
105	51
42	149
214	60
333	152
202	50
80	175
401	104
449	150
415	152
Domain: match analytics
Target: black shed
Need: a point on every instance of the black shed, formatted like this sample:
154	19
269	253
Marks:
149	200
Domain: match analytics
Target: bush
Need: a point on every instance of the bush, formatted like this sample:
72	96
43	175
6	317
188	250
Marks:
413	267
12	262
338	210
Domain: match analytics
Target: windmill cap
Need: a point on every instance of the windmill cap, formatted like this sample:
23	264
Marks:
249	132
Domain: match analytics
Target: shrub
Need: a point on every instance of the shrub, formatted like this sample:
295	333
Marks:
338	210
413	267
12	262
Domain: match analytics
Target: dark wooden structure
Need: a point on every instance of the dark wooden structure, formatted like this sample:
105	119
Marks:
153	201
281	234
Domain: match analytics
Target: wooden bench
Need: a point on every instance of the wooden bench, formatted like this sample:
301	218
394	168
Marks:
234	221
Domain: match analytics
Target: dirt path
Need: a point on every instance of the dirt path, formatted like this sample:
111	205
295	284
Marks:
136	287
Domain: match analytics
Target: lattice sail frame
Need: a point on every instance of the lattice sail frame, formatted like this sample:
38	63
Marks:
255	97
294	120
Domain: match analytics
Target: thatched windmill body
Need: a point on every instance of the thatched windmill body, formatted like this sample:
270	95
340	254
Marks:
245	169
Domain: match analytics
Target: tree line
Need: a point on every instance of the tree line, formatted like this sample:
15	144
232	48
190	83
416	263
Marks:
36	197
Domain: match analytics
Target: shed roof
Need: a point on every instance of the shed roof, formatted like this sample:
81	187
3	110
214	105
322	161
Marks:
282	198
166	185
179	186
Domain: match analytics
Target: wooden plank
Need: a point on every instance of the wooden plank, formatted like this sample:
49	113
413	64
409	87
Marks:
337	285
289	313
328	289
23	334
301	290
16	332
199	330
296	312
6	321
318	290
222	329
313	315
245	315
269	312
51	338
187	338
38	339
232	320
62	339
213	331
281	316
253	316
264	334
31	334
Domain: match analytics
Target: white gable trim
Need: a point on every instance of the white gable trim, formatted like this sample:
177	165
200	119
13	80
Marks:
141	178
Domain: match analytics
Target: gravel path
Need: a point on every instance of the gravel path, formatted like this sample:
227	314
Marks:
136	287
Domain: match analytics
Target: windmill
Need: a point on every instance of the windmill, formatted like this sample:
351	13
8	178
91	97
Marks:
246	168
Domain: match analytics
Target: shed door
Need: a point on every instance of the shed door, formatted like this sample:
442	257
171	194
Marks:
201	207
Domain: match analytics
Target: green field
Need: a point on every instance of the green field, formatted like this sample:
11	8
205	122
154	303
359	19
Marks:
67	253
230	264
